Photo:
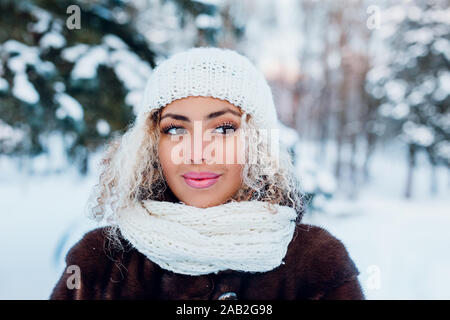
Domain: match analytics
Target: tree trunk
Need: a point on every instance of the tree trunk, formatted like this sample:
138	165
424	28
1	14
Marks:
353	167
433	179
411	167
369	151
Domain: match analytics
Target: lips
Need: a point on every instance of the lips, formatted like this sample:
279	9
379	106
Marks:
201	180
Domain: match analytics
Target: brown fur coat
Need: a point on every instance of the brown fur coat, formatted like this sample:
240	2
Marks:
317	266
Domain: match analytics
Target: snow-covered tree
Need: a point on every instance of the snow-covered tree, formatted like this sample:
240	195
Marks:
413	88
80	84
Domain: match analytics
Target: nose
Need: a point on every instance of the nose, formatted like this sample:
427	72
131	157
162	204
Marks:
197	151
198	144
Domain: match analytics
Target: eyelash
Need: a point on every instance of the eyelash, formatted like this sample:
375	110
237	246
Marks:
228	125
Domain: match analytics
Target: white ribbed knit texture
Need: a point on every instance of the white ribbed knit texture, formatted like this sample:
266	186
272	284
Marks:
211	72
243	236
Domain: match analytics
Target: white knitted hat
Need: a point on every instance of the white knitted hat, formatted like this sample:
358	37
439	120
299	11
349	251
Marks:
211	72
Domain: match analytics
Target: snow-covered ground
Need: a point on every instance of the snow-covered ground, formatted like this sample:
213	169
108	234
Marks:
41	218
400	247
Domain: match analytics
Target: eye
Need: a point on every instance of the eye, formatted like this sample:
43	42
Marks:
173	130
226	128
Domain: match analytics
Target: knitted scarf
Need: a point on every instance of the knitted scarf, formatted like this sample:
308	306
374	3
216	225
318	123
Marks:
250	236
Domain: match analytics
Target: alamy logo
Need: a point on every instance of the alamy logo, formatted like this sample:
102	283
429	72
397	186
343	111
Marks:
74	20
74	280
374	19
373	281
226	149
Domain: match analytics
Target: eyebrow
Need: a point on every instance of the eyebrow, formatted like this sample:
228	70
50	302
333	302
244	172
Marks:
207	117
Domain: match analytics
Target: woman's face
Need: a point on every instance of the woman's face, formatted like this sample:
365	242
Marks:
200	150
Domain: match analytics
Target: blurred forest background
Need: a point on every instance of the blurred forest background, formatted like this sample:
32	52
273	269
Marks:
362	90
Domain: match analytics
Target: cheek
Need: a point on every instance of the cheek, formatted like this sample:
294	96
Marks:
236	148
234	179
229	150
164	150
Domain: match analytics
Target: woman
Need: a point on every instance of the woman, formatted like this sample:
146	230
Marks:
201	200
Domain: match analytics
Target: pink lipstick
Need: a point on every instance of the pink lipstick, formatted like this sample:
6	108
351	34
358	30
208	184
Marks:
201	180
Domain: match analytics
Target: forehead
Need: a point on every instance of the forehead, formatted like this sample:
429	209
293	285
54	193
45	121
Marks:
198	106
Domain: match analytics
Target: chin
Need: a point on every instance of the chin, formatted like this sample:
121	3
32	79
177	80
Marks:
201	203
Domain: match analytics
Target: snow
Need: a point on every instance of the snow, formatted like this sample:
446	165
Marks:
442	46
204	21
394	14
9	136
334	60
120	16
43	20
113	52
133	72
59	86
438	15
443	149
444	81
289	135
130	68
428	85
52	40
128	76
423	36
157	36
210	2
69	107
14	46
103	127
400	111
45	68
418	134
399	245
313	178
38	212
385	109
440	95
418	50
326	182
114	42
24	89
86	66
378	73
395	89
73	53
377	91
25	55
414	13
4	86
444	122
416	97
133	98
404	240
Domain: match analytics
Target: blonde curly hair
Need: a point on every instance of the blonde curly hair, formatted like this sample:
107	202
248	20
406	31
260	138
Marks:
131	172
